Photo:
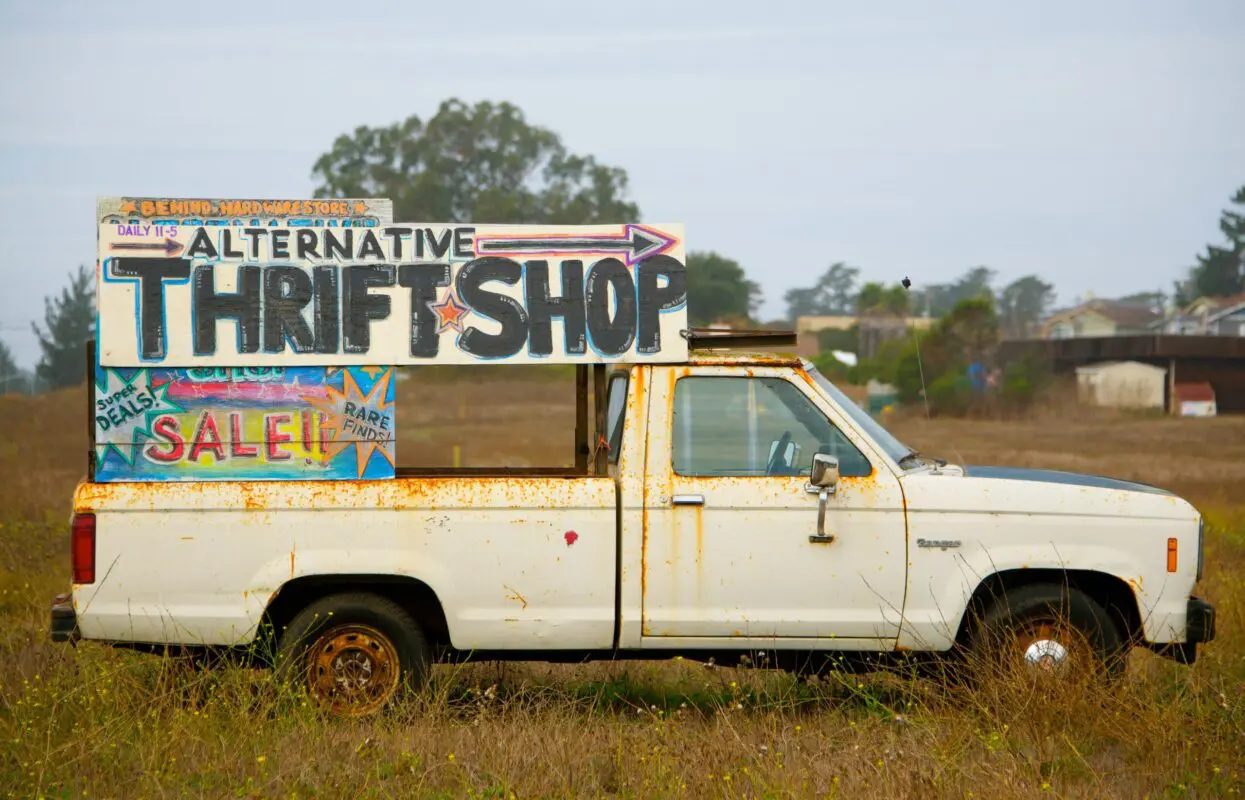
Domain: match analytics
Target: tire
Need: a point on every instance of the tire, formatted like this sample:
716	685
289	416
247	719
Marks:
354	654
1046	628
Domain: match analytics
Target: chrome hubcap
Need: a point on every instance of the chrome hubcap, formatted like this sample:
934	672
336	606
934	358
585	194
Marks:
1046	654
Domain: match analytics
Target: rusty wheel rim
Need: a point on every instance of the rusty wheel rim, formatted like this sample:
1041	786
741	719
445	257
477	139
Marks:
353	670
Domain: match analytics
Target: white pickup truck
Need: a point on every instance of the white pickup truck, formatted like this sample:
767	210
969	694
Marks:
743	506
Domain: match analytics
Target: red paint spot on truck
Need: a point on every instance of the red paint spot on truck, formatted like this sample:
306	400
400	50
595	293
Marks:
570	537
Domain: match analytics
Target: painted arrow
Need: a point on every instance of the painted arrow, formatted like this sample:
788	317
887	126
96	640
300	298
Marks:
169	246
635	243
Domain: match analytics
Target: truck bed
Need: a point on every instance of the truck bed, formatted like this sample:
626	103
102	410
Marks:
524	560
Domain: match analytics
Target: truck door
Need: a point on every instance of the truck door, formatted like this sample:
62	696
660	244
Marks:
729	516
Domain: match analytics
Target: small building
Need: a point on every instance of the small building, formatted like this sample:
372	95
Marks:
1099	317
1121	384
1195	399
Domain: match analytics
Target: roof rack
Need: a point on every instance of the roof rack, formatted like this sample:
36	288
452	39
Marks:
699	338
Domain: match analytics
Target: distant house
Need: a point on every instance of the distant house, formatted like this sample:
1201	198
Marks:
1206	316
1099	317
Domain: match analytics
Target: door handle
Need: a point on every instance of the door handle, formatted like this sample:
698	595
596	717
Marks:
820	538
688	500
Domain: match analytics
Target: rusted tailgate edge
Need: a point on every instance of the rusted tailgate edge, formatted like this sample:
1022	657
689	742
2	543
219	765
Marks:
396	494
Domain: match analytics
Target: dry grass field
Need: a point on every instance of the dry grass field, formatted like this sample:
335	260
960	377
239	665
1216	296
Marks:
95	722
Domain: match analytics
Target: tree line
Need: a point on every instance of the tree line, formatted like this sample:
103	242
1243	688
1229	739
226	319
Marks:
487	162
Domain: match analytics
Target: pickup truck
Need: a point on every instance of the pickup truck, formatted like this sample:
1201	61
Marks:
746	506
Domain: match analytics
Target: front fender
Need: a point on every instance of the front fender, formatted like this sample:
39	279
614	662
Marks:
961	530
943	581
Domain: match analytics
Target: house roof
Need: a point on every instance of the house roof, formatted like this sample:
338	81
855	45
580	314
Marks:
1125	313
1216	305
1230	306
1201	392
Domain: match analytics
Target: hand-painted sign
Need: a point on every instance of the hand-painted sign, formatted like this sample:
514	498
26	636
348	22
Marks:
173	212
218	423
397	294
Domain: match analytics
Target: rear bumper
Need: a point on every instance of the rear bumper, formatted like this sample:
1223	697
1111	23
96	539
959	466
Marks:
1199	629
64	620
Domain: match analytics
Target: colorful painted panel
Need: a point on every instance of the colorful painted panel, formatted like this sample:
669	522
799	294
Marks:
229	423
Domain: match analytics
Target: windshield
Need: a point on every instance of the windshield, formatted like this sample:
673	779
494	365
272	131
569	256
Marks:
880	436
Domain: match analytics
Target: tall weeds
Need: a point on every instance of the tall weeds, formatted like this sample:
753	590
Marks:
97	722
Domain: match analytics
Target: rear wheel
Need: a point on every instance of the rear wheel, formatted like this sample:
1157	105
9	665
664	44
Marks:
1048	630
354	654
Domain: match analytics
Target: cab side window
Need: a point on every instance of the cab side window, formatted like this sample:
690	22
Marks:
728	426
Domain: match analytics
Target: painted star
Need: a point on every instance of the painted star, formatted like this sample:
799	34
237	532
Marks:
122	438
450	313
331	407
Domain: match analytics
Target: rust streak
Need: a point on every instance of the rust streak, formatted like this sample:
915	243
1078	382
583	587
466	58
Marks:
516	596
700	535
422	492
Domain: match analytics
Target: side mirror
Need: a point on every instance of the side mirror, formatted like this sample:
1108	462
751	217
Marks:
825	471
821	481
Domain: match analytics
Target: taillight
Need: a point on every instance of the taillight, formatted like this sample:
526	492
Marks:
83	548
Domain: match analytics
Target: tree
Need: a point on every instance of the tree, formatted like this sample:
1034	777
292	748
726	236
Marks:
939	299
481	163
12	379
1022	303
973	285
70	321
833	293
874	297
967	334
718	289
8	365
1220	272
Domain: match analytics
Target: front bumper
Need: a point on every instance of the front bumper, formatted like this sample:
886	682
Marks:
64	620
1199	629
1200	622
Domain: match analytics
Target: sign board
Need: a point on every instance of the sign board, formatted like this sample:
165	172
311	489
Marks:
170	212
269	295
164	423
220	423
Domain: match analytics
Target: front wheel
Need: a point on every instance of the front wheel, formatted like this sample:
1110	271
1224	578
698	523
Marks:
354	654
1048	630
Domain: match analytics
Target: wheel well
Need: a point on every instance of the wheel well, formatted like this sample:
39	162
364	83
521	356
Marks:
415	596
1115	595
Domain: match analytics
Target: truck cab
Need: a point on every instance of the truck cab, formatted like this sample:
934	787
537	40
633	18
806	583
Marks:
734	504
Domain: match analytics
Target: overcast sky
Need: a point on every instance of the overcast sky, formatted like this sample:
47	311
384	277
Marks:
1092	143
